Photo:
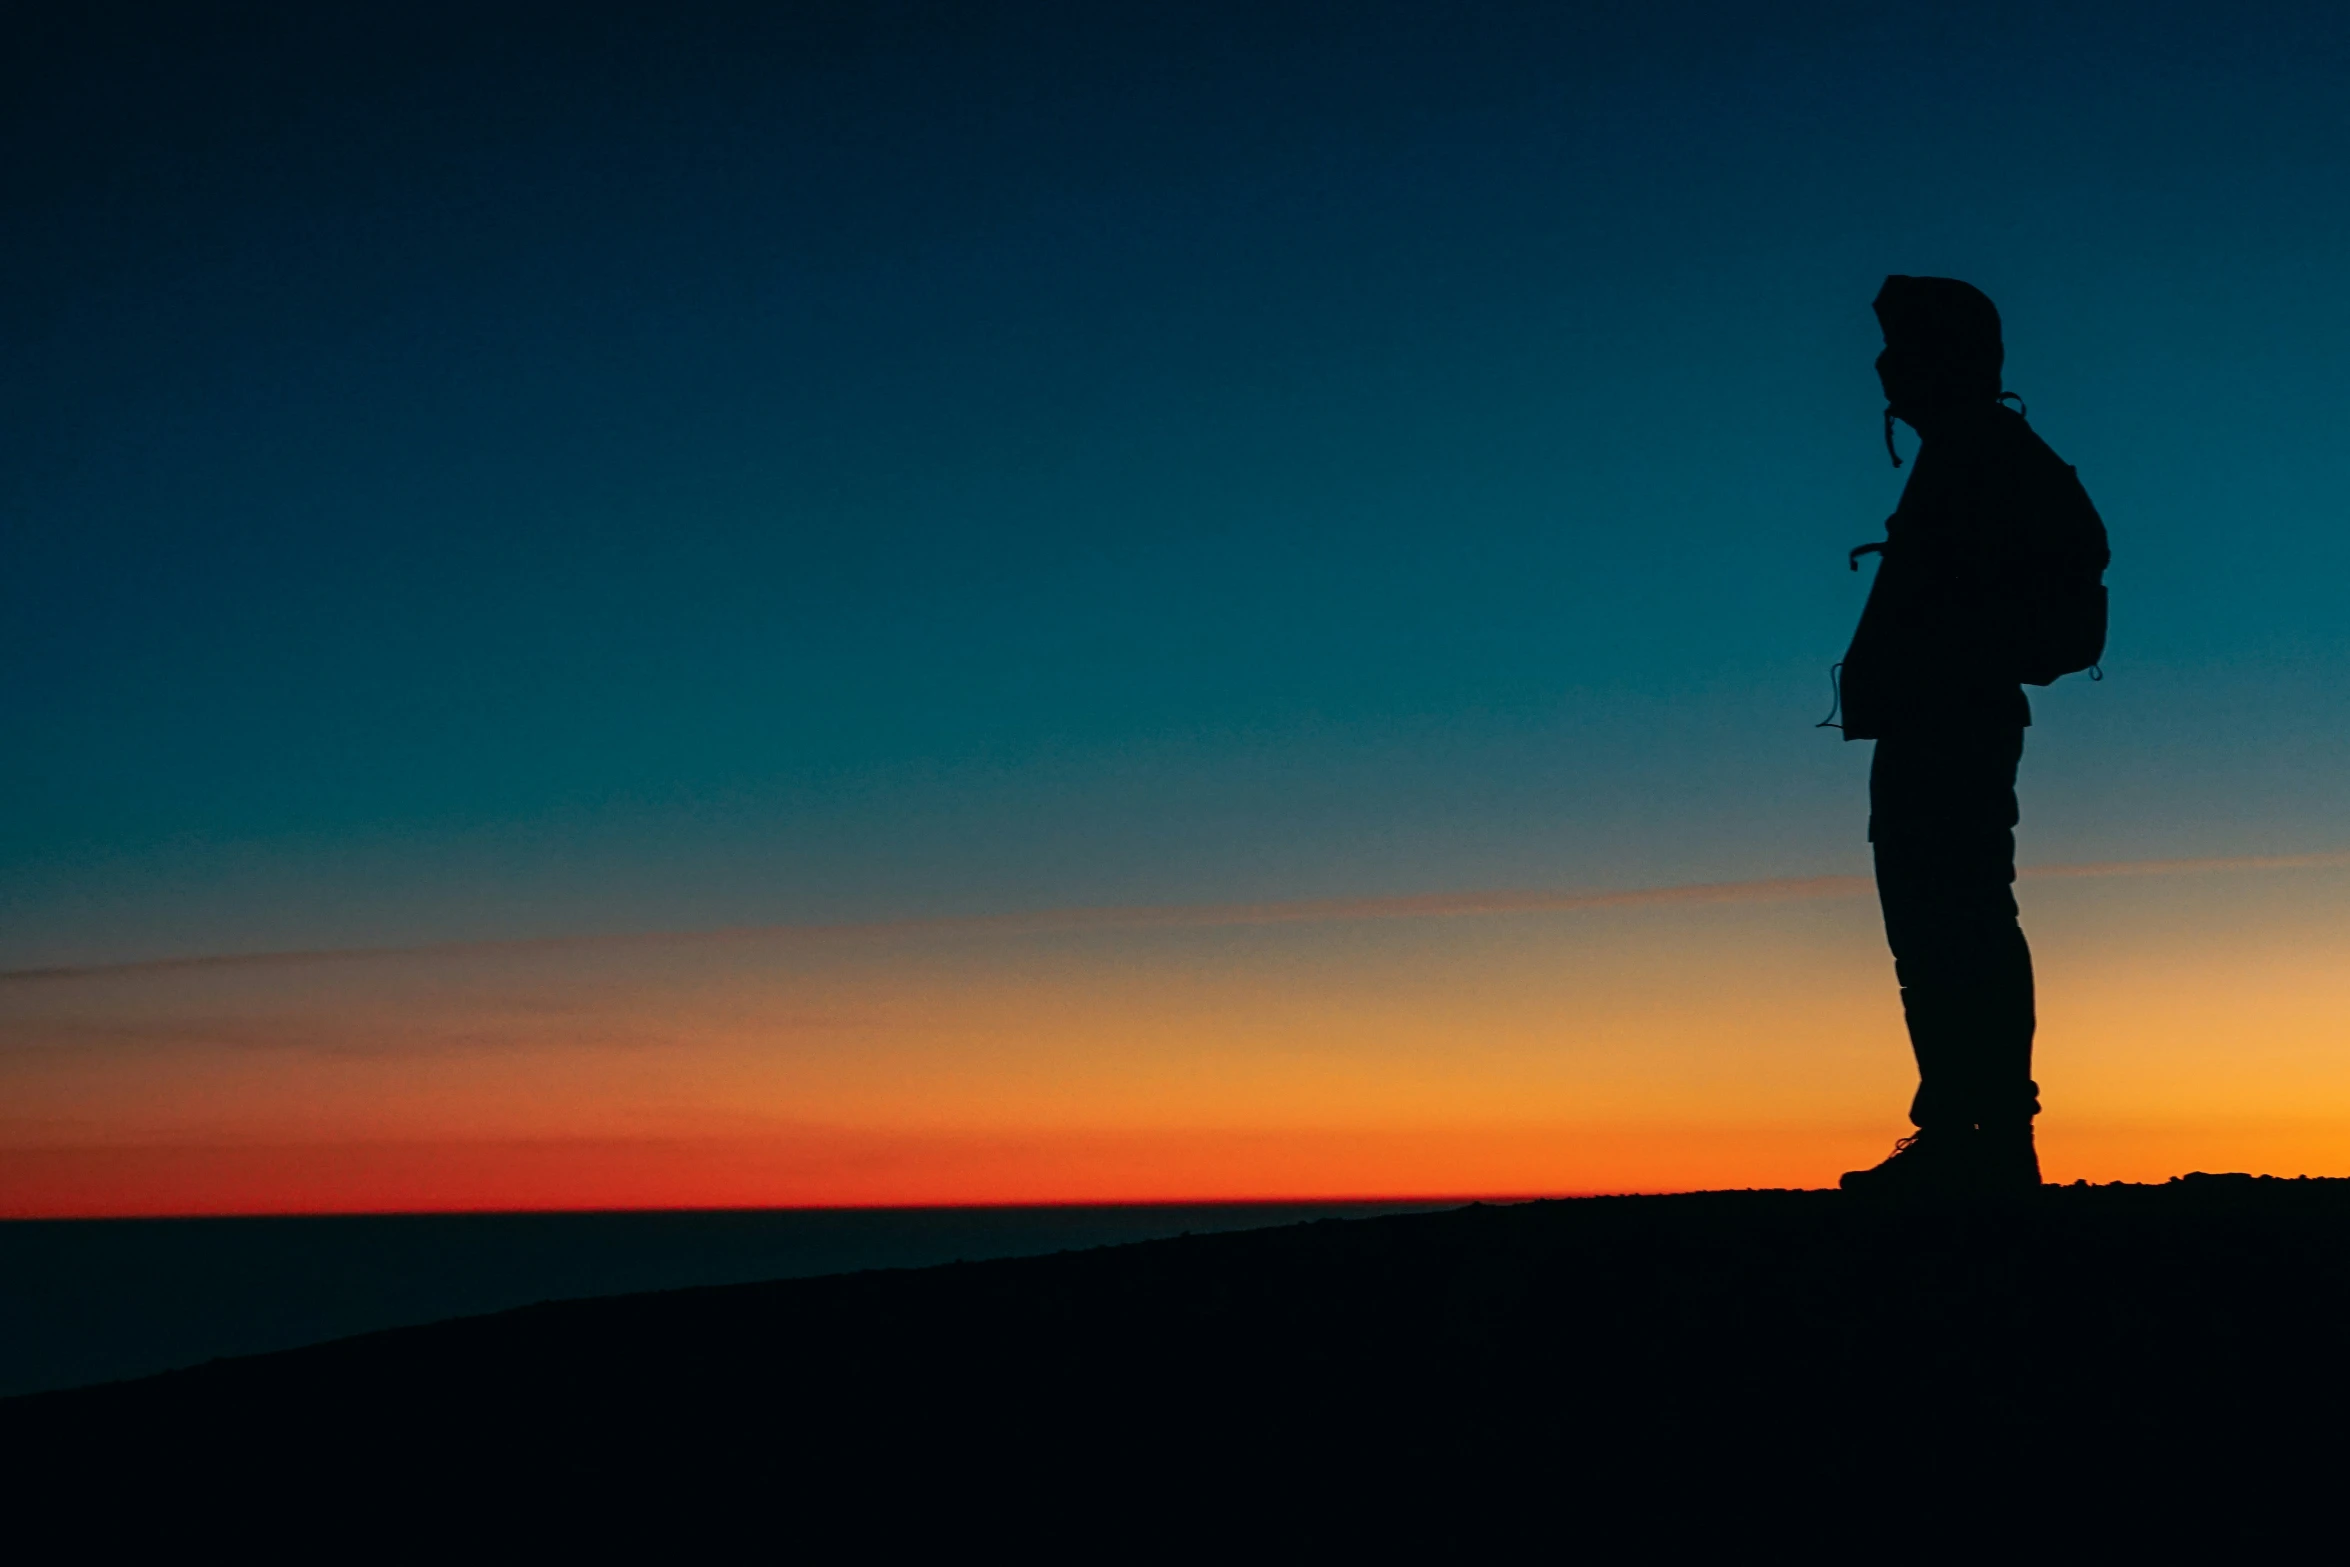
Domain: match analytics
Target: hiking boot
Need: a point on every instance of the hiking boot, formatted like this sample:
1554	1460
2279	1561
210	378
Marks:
2005	1159
1921	1163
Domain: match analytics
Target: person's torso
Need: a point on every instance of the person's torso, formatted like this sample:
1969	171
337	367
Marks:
1935	639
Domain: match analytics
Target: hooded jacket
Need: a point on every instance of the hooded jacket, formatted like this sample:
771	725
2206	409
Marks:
1939	642
1936	642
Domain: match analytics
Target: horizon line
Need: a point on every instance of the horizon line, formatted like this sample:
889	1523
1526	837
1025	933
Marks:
1430	905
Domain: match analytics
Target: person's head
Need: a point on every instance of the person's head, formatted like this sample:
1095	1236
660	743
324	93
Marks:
1942	349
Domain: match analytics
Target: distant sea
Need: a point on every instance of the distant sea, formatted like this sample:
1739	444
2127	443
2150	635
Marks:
102	1299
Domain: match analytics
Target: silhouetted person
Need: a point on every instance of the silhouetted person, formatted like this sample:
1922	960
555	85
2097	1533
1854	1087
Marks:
1989	579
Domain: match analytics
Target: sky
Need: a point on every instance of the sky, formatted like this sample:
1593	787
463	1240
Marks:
700	540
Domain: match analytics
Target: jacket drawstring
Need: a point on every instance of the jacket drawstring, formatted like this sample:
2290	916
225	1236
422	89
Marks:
2023	410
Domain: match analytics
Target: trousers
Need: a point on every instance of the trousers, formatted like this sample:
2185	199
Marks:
1942	817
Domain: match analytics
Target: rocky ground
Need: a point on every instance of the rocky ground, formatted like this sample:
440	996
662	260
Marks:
1794	1373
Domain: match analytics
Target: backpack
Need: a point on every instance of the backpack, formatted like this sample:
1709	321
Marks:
2060	626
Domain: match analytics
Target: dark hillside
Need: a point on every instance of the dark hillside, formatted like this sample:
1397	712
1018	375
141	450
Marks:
1616	1369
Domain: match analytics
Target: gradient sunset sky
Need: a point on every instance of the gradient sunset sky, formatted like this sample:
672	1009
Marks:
923	603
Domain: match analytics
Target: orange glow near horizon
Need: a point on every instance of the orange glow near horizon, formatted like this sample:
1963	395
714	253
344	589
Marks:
2191	1018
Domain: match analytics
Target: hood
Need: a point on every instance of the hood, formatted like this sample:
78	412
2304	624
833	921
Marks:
1948	324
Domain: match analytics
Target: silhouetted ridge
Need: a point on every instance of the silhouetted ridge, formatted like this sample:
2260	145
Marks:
1642	1367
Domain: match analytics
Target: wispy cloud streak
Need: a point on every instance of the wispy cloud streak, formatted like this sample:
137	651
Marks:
1433	905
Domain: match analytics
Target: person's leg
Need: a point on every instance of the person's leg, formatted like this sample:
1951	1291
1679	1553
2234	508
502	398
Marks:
1942	821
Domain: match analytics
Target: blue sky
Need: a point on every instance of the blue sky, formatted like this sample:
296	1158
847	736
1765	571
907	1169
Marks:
496	471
